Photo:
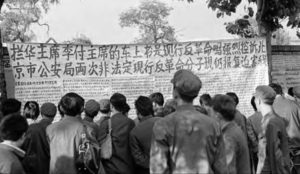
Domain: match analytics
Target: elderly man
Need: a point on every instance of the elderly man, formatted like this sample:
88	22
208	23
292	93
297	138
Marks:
187	141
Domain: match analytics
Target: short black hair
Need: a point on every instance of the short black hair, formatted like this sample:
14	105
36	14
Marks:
72	104
253	103
144	106
234	97
225	105
12	127
11	106
126	109
277	88
33	110
205	99
157	98
291	91
61	113
186	98
118	101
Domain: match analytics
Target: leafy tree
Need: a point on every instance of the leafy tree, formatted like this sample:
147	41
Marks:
80	39
18	15
150	19
268	16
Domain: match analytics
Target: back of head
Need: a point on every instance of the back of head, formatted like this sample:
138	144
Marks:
31	110
11	106
186	84
48	110
91	108
144	106
266	94
168	109
118	101
224	105
104	106
13	127
157	98
72	104
234	97
205	99
277	88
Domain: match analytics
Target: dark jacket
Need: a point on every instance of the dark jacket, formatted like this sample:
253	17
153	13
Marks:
237	152
10	160
140	144
121	161
273	152
187	141
64	137
36	146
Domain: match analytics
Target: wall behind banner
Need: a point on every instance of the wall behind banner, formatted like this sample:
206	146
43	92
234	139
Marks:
286	66
45	72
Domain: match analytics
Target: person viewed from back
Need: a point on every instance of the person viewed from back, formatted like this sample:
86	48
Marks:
273	153
11	106
205	101
253	130
31	111
65	136
158	102
91	110
236	147
140	136
104	110
121	160
36	144
12	131
239	118
187	141
294	133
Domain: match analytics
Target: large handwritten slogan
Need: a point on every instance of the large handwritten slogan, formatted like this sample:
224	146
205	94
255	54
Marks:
44	72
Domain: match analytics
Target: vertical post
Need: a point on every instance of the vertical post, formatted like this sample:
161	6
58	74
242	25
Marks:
3	91
269	55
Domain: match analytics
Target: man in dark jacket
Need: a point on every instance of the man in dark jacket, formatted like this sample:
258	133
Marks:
187	141
121	160
273	152
36	145
65	136
140	136
12	131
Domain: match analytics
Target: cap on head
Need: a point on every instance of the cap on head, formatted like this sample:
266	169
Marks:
296	91
104	105
266	94
48	110
186	83
91	108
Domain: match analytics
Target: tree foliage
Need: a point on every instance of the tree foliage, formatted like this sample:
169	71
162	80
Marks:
269	13
151	20
18	15
80	40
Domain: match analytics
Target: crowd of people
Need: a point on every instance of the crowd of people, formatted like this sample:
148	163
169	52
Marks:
172	137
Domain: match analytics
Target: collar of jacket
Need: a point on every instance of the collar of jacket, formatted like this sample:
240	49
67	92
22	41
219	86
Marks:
88	119
145	118
118	114
16	150
227	125
46	120
66	117
185	107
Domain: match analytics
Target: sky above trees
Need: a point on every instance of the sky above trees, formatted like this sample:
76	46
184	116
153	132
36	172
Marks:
99	21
